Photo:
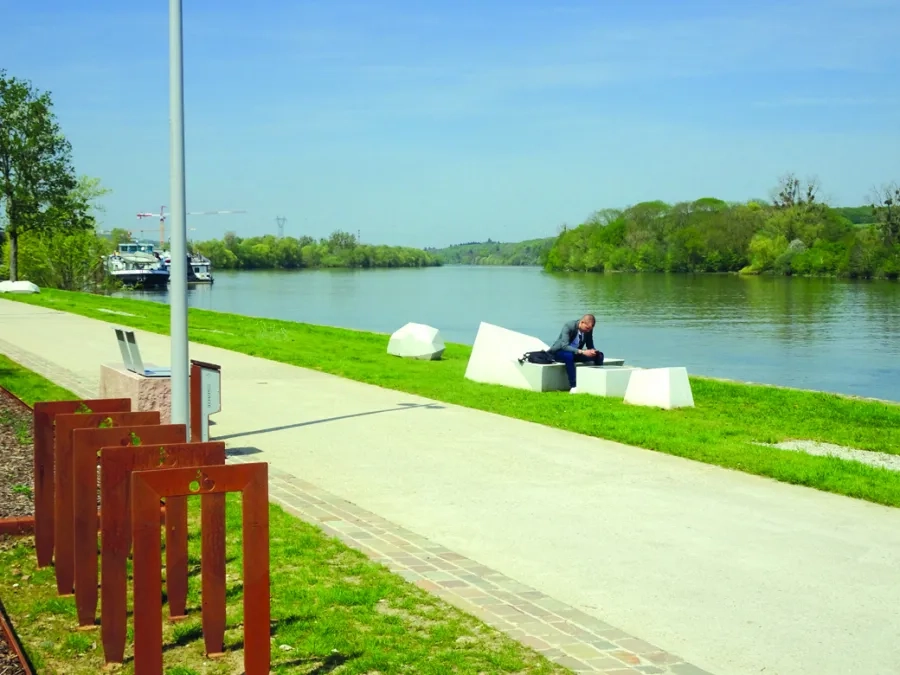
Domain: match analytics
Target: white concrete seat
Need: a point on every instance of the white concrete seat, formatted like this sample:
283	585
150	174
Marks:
416	341
18	287
495	360
660	387
604	381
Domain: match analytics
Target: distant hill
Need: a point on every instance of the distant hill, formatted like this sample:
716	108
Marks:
522	253
858	215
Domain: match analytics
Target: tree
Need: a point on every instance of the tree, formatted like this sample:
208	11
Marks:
37	182
886	206
68	256
118	236
791	192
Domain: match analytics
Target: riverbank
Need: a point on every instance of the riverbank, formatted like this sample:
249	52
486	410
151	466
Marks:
331	606
724	428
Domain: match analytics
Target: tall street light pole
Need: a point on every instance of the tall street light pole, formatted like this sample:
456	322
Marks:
178	266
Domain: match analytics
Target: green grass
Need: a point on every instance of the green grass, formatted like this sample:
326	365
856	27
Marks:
29	387
722	429
332	608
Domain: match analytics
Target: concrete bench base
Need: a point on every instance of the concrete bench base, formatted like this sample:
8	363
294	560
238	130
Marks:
606	380
665	388
146	393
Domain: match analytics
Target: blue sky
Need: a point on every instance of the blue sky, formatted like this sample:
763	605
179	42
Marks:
431	123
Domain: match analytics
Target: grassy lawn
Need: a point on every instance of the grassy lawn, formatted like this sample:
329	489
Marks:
722	429
332	608
28	386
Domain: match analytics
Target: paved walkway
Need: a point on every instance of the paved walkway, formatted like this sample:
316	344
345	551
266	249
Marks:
569	543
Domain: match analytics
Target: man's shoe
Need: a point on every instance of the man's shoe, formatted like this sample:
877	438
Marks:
573	390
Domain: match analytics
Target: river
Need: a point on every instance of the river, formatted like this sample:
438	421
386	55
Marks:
824	334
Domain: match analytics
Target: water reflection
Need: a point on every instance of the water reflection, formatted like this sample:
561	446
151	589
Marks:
824	334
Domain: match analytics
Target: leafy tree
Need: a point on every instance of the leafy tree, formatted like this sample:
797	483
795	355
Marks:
67	257
37	182
118	236
886	208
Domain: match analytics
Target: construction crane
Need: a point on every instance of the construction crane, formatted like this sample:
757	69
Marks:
162	215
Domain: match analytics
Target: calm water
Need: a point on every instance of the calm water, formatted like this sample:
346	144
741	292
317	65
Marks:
824	334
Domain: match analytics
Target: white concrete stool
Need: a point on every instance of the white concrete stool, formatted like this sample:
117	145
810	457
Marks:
416	341
604	380
661	388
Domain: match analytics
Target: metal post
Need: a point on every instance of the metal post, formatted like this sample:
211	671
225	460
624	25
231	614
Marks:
178	216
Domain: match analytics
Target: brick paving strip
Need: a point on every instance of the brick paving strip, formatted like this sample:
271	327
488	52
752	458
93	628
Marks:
560	632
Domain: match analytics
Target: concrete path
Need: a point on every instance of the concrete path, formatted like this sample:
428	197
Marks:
733	573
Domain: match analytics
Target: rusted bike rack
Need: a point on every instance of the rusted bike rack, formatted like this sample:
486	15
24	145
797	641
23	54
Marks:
64	537
116	466
44	415
86	445
212	483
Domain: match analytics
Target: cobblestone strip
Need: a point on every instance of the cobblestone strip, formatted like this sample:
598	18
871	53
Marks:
61	376
560	632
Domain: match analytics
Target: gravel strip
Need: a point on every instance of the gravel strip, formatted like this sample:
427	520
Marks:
16	450
883	460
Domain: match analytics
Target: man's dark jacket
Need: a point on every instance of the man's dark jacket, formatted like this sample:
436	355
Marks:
567	334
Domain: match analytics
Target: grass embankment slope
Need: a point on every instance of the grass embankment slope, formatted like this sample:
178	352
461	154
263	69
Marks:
331	606
723	429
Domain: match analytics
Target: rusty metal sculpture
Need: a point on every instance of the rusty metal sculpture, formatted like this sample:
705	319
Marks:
212	482
64	537
45	413
86	445
116	467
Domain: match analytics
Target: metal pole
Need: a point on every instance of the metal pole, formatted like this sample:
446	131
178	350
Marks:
178	216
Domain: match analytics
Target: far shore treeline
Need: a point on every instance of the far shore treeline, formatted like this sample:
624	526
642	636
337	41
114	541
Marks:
341	249
792	234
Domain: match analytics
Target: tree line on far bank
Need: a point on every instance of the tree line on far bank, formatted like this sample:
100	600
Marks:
794	234
521	253
341	249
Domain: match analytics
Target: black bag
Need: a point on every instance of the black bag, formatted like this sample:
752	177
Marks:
542	358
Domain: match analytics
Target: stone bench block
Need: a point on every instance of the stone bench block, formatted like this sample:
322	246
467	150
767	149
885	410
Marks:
146	393
495	354
660	387
606	380
495	360
416	341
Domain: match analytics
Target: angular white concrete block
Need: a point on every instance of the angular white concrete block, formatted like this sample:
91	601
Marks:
18	287
495	360
495	354
660	387
416	341
604	381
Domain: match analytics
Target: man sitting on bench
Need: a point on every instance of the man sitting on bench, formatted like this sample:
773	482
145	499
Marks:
575	344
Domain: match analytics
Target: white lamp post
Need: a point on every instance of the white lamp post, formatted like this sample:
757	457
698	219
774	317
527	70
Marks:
178	266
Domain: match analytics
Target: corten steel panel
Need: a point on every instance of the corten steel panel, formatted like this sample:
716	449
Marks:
86	444
44	414
209	481
64	536
116	467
